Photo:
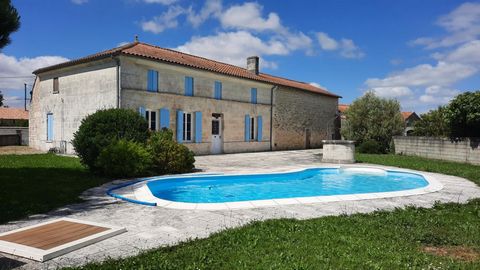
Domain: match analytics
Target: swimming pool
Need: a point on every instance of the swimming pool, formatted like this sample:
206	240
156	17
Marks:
310	184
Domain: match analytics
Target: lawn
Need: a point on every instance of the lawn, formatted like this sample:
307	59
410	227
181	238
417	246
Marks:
381	240
32	184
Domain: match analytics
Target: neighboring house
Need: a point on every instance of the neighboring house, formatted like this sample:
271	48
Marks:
212	107
410	118
13	126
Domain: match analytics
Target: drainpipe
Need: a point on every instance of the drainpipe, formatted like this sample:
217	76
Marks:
271	116
119	83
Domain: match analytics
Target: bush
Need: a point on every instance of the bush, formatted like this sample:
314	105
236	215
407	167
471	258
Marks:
371	147
167	155
100	129
124	158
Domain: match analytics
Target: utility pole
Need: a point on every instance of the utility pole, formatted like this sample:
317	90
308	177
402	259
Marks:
25	103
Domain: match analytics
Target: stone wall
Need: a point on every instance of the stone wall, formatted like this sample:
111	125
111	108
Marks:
83	89
21	131
466	151
295	111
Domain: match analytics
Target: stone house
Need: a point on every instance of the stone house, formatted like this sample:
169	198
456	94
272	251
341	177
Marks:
212	107
410	118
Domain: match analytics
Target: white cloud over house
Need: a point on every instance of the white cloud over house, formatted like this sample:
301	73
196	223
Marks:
345	47
456	57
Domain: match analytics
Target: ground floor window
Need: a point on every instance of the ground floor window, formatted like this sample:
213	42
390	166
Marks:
252	128
187	127
151	117
49	127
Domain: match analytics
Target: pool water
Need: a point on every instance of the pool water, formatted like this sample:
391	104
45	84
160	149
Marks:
306	183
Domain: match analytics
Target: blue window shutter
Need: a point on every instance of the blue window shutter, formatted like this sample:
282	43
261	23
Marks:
49	127
198	127
141	111
155	81
247	127
254	95
179	126
259	128
149	80
188	86
218	90
164	118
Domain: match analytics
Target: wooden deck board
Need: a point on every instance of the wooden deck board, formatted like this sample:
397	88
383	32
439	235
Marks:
52	235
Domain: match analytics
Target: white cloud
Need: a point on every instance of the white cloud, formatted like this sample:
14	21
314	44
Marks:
79	2
462	25
318	85
21	69
393	92
212	8
326	42
165	21
248	16
468	53
346	47
240	44
123	43
163	2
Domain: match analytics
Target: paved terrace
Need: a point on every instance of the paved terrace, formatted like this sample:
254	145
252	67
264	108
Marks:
150	227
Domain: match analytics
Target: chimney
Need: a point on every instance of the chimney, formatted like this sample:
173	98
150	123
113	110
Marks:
252	64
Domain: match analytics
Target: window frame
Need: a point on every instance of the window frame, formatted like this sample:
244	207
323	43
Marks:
148	117
253	133
186	126
56	86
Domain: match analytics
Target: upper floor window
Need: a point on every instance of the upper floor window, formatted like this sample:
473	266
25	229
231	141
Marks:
152	80
218	90
189	86
55	85
151	117
253	97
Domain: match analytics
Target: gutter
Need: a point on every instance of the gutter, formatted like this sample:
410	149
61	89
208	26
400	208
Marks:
119	82
271	115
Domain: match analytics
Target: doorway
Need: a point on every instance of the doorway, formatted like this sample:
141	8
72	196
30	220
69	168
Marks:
217	130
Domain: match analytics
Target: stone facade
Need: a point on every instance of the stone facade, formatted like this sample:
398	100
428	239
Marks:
467	151
302	119
85	88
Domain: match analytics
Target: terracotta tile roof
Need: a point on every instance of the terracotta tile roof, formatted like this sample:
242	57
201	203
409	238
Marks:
13	113
406	115
156	53
343	107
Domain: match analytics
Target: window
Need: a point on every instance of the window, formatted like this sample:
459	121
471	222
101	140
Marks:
187	127
253	93
152	81
151	117
55	85
49	127
189	86
252	128
218	90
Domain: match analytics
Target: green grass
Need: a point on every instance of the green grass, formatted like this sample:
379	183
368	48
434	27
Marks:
32	184
464	170
381	240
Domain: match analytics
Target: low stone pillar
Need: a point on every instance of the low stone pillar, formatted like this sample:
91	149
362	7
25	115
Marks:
338	151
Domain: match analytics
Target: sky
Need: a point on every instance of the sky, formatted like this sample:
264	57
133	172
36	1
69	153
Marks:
422	53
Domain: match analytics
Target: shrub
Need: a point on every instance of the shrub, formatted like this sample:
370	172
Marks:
124	158
167	155
100	129
371	147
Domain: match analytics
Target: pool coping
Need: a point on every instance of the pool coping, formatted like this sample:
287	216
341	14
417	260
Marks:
142	192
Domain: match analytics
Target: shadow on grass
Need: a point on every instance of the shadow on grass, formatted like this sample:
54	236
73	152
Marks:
28	191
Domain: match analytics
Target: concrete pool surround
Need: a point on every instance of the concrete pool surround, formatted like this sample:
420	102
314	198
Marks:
143	195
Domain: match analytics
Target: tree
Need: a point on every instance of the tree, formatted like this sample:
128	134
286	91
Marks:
434	123
463	115
1	99
373	118
9	22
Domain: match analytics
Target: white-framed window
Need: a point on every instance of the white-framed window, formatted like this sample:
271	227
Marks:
252	128
187	127
151	117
